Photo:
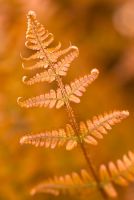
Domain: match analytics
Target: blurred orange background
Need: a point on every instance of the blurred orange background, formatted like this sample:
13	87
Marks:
103	30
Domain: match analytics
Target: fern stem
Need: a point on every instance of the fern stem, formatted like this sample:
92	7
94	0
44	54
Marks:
76	128
86	155
92	170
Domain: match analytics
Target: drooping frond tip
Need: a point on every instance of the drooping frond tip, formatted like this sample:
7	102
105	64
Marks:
120	173
68	183
90	132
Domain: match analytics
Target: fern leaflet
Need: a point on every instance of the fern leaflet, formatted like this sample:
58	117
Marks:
95	129
56	98
53	138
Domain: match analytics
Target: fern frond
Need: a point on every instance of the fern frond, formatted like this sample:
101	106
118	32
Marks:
76	88
99	126
120	173
59	68
68	183
89	132
53	139
51	99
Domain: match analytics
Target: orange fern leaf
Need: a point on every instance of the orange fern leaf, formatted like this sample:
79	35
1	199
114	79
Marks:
93	130
70	183
120	173
76	88
53	138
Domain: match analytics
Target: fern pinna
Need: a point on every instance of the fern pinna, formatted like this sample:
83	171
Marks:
55	63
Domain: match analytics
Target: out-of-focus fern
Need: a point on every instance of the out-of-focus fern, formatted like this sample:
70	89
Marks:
120	173
68	183
54	64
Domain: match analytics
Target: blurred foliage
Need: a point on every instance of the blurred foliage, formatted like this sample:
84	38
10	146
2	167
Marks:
94	26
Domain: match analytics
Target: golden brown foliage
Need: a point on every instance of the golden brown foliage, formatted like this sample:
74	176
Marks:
89	25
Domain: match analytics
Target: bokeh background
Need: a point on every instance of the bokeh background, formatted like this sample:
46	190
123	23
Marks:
104	32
